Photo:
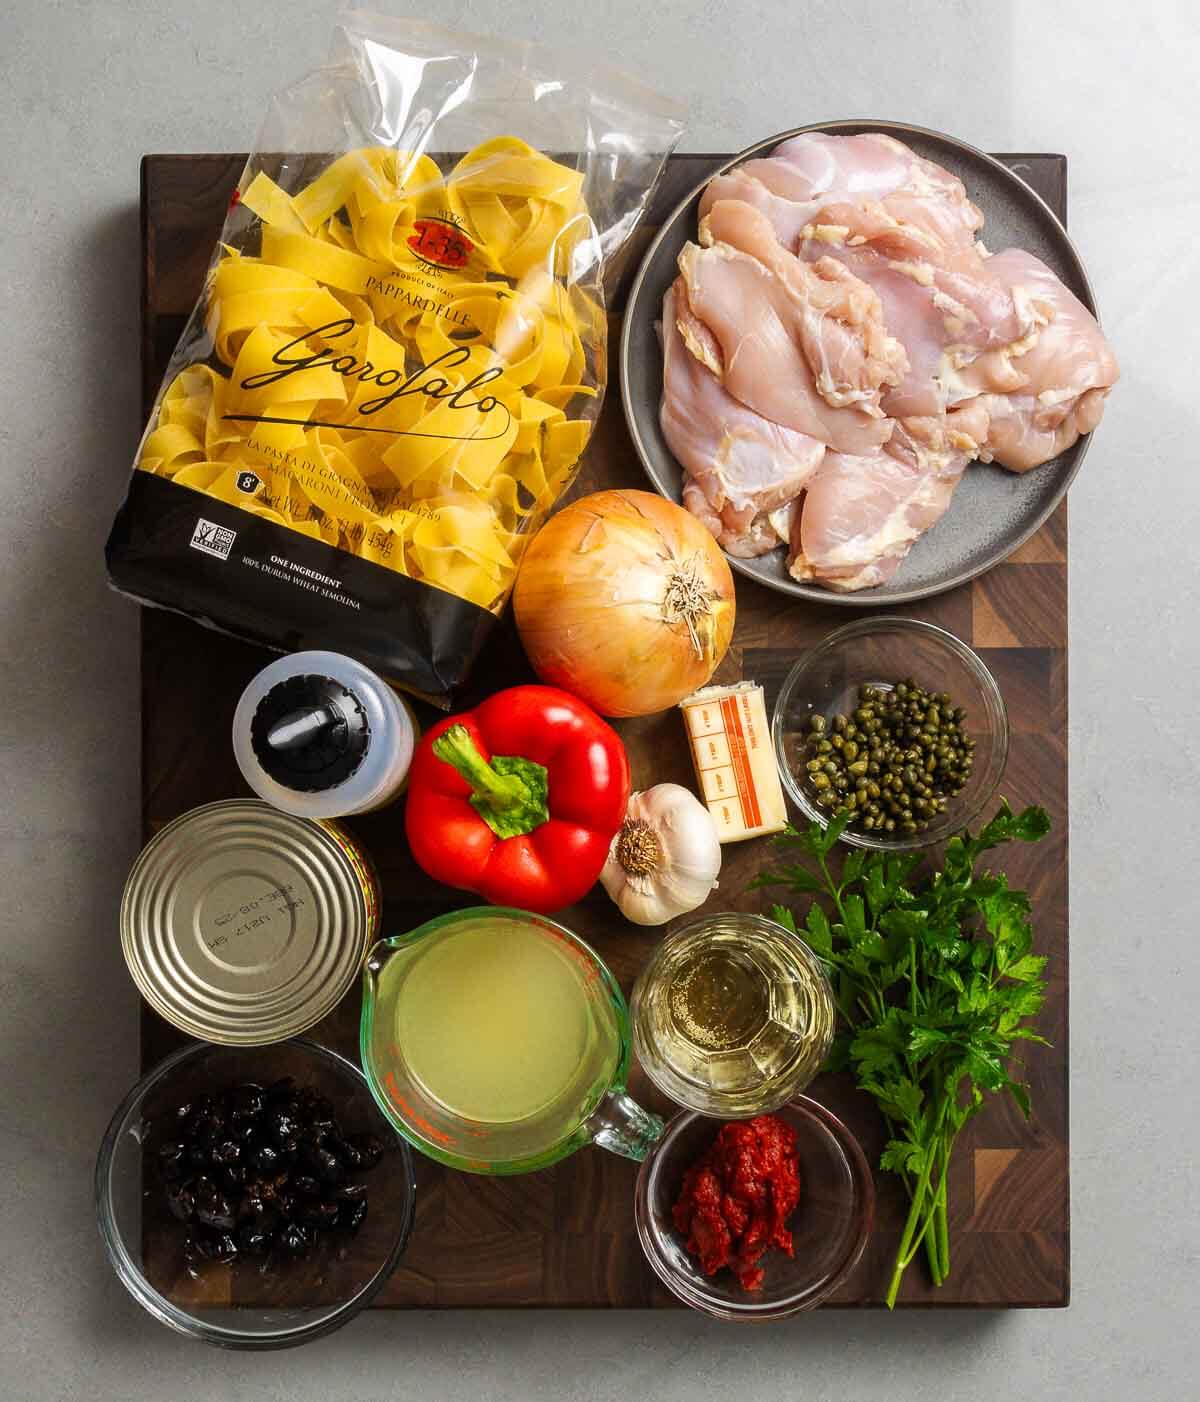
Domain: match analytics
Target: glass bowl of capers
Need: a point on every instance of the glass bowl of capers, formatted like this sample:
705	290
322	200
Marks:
897	721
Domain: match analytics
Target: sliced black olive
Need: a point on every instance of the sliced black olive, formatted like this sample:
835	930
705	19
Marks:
254	1238
212	1206
326	1165
180	1202
351	1214
245	1102
308	1185
172	1160
282	1125
216	1246
266	1158
350	1192
295	1237
370	1148
226	1152
346	1152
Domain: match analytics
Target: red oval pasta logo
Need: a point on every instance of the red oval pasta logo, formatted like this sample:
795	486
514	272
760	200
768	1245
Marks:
441	243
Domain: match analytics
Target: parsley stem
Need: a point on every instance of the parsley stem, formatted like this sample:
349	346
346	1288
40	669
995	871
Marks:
911	1239
835	891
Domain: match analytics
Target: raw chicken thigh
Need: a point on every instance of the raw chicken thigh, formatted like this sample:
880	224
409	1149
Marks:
860	515
838	347
1064	377
739	466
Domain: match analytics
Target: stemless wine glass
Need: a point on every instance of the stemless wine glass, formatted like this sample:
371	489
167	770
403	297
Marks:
496	1041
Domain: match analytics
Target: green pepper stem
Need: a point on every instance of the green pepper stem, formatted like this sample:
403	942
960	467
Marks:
502	791
509	794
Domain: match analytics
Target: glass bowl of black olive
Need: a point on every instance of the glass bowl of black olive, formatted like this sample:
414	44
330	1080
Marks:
896	722
254	1198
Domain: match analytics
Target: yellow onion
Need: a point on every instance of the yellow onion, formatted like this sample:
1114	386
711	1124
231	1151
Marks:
625	600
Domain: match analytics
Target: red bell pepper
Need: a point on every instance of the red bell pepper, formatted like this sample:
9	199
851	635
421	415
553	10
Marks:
518	799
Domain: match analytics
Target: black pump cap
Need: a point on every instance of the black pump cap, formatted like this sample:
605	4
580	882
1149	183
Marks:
327	756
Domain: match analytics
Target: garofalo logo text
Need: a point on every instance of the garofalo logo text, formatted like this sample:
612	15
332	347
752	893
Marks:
430	381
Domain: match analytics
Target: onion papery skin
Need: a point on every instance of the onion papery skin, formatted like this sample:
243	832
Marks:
598	600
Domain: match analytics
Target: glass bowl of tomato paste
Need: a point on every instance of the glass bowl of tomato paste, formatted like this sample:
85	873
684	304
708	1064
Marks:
827	1229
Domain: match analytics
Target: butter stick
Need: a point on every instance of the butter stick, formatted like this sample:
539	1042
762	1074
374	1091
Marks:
735	760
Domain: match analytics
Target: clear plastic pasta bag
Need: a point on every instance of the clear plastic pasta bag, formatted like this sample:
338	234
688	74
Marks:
400	350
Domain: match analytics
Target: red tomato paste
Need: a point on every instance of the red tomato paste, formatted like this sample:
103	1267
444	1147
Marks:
737	1197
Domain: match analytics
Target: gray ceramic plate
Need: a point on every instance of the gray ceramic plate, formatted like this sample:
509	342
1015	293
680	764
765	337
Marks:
993	511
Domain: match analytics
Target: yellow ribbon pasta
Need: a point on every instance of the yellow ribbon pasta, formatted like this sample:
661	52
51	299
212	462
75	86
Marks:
401	366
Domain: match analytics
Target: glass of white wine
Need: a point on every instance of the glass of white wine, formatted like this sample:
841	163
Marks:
733	1015
496	1041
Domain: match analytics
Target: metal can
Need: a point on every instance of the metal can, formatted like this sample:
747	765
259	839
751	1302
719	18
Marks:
245	925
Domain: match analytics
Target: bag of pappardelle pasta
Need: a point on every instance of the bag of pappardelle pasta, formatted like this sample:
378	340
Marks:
400	350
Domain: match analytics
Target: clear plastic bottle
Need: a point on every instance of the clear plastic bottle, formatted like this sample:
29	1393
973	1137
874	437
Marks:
319	735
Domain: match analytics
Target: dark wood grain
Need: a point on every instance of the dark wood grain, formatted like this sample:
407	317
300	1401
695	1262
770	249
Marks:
565	1237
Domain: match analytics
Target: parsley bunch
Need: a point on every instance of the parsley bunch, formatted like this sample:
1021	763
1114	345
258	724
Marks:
934	979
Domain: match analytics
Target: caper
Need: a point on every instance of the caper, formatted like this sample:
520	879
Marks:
892	759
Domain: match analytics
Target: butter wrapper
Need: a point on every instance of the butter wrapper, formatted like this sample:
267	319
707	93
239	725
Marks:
734	759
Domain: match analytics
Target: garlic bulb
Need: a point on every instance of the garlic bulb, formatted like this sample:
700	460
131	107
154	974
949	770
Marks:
665	857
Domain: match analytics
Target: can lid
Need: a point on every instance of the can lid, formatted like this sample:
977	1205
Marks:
310	733
245	925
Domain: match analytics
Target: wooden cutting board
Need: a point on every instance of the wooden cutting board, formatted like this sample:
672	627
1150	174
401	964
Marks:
565	1237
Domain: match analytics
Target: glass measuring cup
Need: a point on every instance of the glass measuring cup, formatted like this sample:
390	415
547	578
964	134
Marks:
496	1041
